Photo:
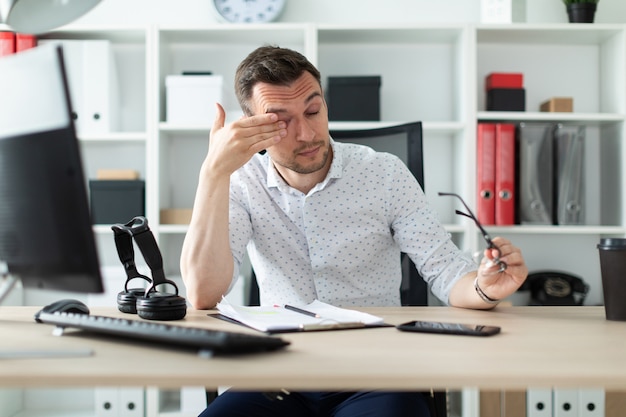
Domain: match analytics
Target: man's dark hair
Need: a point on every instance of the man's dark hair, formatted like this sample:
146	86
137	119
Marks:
272	65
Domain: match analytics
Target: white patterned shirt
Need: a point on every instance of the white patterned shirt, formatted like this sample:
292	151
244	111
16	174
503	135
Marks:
341	242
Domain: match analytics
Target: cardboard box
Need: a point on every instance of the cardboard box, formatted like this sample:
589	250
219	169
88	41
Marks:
117	174
191	98
175	216
116	201
354	98
558	104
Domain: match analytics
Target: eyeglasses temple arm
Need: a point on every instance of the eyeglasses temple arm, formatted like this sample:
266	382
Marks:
486	236
490	243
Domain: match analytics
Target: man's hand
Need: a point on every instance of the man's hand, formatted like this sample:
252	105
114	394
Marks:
232	145
497	284
494	282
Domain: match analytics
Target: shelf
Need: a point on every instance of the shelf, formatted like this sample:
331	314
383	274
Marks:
55	413
455	228
558	34
173	129
442	127
116	34
232	34
173	228
103	228
115	137
587	118
558	230
385	34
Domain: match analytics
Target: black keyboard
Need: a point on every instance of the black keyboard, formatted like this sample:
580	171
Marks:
205	341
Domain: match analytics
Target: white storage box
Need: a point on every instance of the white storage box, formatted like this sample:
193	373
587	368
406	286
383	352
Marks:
191	98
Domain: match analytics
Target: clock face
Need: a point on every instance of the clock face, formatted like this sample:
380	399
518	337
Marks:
249	11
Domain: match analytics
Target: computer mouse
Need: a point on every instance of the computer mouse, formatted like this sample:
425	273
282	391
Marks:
67	305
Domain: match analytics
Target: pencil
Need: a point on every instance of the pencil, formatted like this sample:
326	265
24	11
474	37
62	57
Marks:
301	311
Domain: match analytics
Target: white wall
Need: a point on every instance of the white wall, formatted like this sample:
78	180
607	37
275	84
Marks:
199	12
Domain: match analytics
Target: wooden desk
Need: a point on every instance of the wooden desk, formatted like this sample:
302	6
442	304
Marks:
538	346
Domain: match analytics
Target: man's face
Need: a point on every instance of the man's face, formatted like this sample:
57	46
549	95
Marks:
301	105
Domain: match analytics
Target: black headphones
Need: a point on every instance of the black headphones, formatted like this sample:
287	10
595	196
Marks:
148	303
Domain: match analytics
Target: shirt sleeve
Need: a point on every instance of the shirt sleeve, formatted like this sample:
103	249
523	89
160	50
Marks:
422	237
240	225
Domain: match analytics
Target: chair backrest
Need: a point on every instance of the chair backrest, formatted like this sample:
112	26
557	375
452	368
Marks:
404	141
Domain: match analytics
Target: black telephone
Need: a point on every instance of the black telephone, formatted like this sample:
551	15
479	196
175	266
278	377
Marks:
555	288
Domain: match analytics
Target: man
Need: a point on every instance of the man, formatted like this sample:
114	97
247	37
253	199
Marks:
320	220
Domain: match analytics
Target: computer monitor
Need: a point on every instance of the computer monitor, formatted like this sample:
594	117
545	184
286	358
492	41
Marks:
46	236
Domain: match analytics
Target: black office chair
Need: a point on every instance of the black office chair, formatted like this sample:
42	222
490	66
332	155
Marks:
405	141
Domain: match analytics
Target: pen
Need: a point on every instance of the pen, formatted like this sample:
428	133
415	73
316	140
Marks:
301	311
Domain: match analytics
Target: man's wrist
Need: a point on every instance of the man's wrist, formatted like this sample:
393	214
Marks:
482	295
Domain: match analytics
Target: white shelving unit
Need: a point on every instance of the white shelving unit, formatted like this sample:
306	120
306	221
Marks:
586	62
432	73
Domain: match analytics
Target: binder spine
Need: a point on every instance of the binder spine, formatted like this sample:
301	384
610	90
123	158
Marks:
565	402
569	175
539	402
106	402
486	172
93	82
7	43
505	174
535	173
591	402
24	41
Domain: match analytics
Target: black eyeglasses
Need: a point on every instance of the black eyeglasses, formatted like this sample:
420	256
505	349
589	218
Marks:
490	245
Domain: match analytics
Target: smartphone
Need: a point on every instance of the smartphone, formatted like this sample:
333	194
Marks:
448	328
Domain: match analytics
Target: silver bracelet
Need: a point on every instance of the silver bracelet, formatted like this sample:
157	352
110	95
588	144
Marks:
482	295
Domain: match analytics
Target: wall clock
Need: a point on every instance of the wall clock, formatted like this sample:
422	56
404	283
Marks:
248	11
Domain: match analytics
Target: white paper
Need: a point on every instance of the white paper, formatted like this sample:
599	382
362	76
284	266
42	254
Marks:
278	318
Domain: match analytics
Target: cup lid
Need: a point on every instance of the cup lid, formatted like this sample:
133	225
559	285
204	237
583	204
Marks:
612	243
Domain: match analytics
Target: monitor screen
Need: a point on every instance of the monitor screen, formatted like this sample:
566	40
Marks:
46	237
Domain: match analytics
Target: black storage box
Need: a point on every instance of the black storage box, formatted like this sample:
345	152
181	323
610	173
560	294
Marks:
353	98
506	99
116	201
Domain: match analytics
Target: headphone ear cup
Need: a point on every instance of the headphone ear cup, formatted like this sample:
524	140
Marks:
127	300
161	306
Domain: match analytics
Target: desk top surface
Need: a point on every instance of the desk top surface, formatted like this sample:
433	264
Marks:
538	346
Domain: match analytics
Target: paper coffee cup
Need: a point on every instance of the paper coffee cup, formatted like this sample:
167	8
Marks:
612	253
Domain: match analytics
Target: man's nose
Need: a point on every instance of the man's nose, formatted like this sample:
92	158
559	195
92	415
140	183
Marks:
304	132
